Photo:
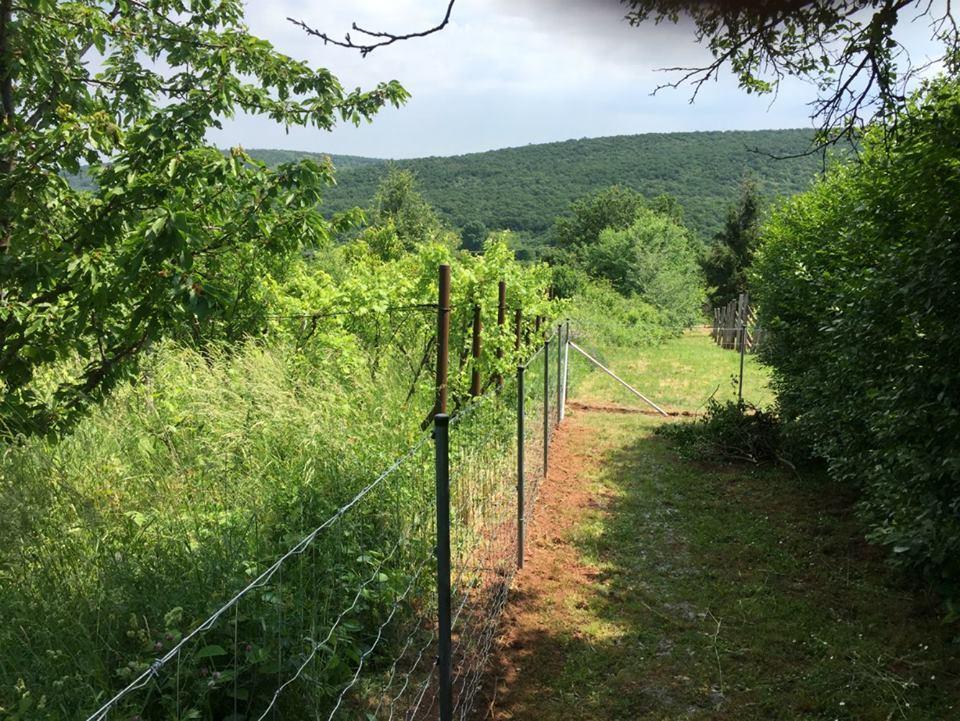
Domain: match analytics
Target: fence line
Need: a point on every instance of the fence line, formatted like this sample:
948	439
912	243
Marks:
258	582
364	630
735	325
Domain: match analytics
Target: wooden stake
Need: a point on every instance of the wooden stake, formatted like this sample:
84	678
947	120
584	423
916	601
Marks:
443	337
501	321
475	370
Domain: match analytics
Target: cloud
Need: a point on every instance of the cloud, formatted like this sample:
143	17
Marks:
504	72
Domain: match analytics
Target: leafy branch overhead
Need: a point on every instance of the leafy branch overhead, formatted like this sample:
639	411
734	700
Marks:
846	48
169	240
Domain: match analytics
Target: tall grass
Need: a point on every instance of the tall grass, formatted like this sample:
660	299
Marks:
168	499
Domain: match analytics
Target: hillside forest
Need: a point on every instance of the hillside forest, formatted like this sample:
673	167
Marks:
524	189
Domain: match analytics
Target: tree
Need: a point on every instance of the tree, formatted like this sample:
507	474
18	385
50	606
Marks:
668	205
398	202
845	47
728	260
473	235
653	259
173	237
613	207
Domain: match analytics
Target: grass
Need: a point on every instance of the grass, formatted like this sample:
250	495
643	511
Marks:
724	592
180	489
681	374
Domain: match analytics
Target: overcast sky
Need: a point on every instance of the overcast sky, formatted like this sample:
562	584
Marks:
506	73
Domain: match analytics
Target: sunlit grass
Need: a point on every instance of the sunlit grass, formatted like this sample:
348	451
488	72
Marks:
680	374
730	593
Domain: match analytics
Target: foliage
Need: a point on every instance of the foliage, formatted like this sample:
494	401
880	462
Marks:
727	260
176	234
398	203
175	492
609	318
653	259
858	281
524	189
473	234
846	48
165	500
734	431
614	207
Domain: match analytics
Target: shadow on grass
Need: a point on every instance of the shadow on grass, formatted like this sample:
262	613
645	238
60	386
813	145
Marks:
728	593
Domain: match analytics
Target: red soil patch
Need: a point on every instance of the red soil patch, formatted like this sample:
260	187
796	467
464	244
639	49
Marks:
617	408
552	575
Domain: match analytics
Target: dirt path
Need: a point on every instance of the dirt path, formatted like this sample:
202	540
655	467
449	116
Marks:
551	588
656	589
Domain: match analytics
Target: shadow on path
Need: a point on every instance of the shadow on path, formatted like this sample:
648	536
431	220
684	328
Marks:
661	589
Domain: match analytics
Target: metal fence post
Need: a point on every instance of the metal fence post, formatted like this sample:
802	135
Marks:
521	440
546	405
441	435
563	378
743	345
443	337
559	372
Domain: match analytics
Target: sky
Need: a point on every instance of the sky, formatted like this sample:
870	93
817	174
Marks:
506	73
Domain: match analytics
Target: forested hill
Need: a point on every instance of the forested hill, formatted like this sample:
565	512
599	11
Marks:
271	157
525	188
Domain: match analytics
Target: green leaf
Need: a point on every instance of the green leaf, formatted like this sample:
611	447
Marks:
211	650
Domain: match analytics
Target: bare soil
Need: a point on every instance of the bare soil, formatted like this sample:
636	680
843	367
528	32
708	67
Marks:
548	591
603	407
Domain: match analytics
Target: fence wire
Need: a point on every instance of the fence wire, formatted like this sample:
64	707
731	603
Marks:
343	625
332	625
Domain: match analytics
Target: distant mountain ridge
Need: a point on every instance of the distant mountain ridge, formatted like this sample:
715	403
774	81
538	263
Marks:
525	188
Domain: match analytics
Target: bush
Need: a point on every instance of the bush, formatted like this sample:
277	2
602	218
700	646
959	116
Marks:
614	320
729	432
653	259
858	284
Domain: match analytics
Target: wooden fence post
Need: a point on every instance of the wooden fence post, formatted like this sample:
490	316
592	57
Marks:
501	321
475	353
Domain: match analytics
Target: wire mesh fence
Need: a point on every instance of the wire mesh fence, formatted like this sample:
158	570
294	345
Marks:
344	625
316	628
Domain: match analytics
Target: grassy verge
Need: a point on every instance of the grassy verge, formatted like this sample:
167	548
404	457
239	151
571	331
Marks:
680	374
723	592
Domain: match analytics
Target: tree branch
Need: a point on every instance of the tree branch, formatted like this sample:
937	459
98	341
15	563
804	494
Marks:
379	38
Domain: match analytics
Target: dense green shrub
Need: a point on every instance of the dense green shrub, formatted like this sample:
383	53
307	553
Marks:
734	431
653	259
610	318
858	282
